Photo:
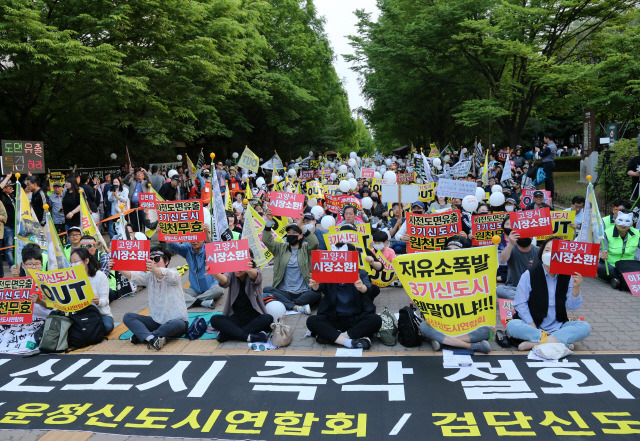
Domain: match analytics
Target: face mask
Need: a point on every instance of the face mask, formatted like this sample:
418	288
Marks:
375	198
292	239
378	246
416	212
546	258
507	231
307	227
76	264
524	242
624	220
509	207
459	206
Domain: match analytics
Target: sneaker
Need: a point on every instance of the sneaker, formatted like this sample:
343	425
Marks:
207	304
134	340
304	309
570	346
156	343
615	283
260	337
361	343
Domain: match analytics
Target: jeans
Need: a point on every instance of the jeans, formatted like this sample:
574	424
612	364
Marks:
143	326
289	299
475	336
8	242
506	292
111	229
399	247
107	320
568	333
548	168
213	293
234	327
355	326
602	271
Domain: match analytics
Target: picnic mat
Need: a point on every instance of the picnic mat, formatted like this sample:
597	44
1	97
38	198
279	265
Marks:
192	316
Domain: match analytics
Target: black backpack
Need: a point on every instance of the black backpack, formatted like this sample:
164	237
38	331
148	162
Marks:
87	328
408	328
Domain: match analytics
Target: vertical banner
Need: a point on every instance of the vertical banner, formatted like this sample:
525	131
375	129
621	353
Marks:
22	157
16	307
531	223
88	225
485	226
334	266
561	223
181	221
286	204
130	255
454	290
252	231
226	257
429	232
28	228
569	257
67	290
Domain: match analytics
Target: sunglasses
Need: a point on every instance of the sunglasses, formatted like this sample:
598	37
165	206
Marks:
156	259
87	246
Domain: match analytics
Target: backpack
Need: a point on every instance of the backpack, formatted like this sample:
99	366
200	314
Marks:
541	176
408	328
87	327
54	333
197	328
281	334
389	329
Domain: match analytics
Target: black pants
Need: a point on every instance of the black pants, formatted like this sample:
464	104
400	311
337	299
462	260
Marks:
548	168
355	326
233	327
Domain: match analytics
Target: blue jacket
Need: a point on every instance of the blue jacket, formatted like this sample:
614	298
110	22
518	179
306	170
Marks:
198	277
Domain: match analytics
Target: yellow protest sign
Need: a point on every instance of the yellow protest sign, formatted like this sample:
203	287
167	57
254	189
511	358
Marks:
355	238
330	189
364	229
67	290
427	192
376	185
252	230
88	225
561	222
385	276
314	190
455	290
249	160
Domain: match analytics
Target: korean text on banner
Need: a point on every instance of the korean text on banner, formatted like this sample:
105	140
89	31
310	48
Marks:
505	306
368	173
561	222
16	307
334	266
354	238
405	178
314	190
148	200
335	204
527	197
67	290
429	232
286	204
455	189
531	223
385	276
307	174
130	255
249	160
225	257
633	282
569	257
427	192
181	221
22	157
455	290
485	226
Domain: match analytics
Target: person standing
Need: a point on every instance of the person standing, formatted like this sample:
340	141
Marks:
633	170
548	154
57	213
71	203
38	198
156	178
8	200
136	186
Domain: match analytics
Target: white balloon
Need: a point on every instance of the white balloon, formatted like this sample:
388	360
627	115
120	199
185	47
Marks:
179	157
439	167
496	188
235	155
359	160
317	212
496	199
312	202
349	175
343	168
319	157
344	186
470	203
276	309
310	152
480	194
352	162
464	150
390	177
447	158
436	162
331	164
276	179
292	172
377	175
327	222
383	168
260	182
333	176
171	172
367	203
245	177
353	184
387	161
353	155
394	159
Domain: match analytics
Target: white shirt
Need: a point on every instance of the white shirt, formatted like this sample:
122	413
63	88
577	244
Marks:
166	297
100	287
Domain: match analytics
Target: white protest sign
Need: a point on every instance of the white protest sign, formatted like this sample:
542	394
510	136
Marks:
400	193
455	189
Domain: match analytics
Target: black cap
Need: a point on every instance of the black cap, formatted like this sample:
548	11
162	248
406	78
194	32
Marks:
293	226
175	177
348	227
309	216
538	193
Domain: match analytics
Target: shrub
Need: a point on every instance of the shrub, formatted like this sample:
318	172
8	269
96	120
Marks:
614	182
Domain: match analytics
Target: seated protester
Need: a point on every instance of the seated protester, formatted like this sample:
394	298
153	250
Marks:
310	225
291	266
32	259
619	248
74	235
89	243
439	204
393	225
380	240
519	256
233	220
167	311
457	243
618	205
371	259
350	215
418	208
476	340
541	304
577	205
502	272
244	317
203	289
483	208
510	204
346	315
492	182
99	284
538	201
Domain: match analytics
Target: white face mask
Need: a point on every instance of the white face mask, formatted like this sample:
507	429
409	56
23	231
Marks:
308	227
508	207
624	220
546	258
378	246
76	263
